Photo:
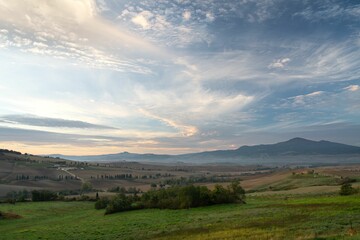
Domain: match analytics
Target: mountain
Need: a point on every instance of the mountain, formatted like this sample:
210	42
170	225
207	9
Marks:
298	149
299	146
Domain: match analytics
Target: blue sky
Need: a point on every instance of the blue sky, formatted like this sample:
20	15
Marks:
92	77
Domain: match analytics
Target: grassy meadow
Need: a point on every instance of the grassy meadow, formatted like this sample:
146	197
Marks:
267	217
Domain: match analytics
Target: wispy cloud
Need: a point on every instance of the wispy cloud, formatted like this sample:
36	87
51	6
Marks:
352	88
279	63
332	10
49	122
61	30
303	99
185	130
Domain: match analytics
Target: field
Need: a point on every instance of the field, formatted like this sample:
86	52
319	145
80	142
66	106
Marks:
300	217
19	172
282	202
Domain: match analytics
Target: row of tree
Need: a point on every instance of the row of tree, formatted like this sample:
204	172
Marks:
27	177
177	197
130	176
66	177
35	196
124	190
197	179
112	177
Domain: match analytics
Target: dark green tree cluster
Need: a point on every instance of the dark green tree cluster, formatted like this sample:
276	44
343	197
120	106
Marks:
124	190
178	197
43	195
17	196
347	189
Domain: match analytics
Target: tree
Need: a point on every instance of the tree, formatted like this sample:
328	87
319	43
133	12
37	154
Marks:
220	195
86	187
347	189
237	192
119	204
43	195
102	203
176	197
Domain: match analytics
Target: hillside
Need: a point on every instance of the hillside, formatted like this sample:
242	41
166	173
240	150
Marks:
295	149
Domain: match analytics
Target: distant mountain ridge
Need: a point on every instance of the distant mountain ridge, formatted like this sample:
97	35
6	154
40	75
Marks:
292	148
300	146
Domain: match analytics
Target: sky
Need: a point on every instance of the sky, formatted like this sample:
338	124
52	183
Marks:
85	77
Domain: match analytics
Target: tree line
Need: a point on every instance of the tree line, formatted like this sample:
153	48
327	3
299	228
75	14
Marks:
124	190
10	151
197	179
176	197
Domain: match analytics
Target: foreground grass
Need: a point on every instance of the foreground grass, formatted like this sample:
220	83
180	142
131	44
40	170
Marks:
306	217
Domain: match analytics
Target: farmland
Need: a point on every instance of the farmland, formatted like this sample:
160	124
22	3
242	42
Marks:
26	172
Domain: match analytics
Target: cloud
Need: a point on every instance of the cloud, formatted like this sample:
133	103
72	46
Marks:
186	15
141	19
186	130
183	23
279	63
38	137
210	17
352	88
32	120
333	10
75	31
303	99
46	142
157	27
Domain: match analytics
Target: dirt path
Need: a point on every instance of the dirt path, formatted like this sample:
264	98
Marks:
72	174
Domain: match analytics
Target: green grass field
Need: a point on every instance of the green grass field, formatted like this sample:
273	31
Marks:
298	181
305	217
